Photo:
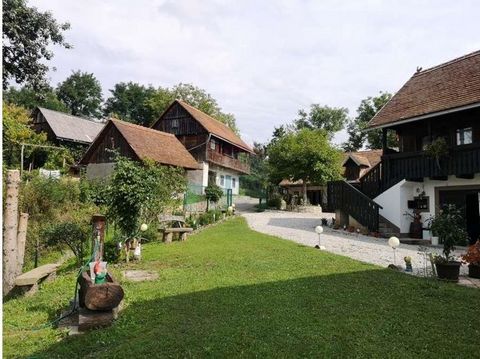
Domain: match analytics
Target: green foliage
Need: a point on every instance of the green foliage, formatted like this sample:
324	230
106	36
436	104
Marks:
275	201
229	274
16	130
195	97
213	193
326	118
356	128
29	98
255	184
139	192
304	155
111	253
81	92
129	102
27	38
449	226
71	234
437	149
209	217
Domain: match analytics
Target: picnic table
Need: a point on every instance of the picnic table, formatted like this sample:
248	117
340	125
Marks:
173	224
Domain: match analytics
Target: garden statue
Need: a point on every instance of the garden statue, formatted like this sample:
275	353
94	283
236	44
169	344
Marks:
408	264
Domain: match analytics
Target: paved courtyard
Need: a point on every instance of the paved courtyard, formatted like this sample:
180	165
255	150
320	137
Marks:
299	227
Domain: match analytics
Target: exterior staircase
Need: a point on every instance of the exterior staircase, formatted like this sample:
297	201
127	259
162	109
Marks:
386	228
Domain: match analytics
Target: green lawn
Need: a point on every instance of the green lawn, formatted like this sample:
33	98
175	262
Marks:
229	291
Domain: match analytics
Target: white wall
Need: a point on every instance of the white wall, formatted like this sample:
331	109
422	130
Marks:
99	170
395	200
225	172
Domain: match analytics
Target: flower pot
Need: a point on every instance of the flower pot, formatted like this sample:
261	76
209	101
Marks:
448	270
474	270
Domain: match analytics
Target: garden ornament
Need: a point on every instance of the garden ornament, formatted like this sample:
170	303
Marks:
408	264
319	231
394	242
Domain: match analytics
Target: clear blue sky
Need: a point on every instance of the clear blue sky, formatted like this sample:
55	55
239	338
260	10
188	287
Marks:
264	60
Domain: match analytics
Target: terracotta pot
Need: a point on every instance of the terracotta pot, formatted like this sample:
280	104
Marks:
474	270
448	271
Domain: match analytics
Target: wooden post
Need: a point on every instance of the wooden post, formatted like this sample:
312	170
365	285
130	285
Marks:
384	140
99	222
21	239
10	226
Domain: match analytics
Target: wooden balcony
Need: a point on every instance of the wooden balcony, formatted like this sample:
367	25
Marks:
229	162
461	161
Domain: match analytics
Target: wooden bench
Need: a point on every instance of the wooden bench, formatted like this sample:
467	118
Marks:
177	225
28	282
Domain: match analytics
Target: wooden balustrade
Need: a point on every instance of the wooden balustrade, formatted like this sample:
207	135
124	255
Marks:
226	161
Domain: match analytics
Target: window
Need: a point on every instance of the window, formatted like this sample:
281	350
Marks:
234	180
222	180
174	124
213	145
464	136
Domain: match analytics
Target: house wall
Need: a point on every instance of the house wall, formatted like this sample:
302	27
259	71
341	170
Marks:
99	170
395	200
221	171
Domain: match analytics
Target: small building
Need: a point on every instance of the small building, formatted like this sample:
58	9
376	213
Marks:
356	164
64	129
134	142
221	154
438	105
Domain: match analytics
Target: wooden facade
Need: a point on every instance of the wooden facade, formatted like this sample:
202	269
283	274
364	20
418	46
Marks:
203	145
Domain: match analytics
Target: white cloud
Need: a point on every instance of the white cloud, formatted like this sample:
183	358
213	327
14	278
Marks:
263	61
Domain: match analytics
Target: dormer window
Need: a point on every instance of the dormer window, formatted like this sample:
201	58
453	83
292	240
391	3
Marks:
464	136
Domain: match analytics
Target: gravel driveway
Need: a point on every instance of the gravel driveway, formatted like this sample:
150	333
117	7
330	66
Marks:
299	227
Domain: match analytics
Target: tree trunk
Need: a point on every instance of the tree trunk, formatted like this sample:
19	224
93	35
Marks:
104	296
21	239
305	198
10	226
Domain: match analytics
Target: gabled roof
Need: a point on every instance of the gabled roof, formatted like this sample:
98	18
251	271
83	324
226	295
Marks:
452	85
213	126
147	143
72	128
368	158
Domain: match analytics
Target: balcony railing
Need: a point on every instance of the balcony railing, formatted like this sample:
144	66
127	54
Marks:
463	160
227	161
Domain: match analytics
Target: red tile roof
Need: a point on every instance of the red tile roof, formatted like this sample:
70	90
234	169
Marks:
215	127
158	146
447	86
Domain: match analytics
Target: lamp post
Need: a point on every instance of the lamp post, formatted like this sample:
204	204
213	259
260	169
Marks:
394	242
319	231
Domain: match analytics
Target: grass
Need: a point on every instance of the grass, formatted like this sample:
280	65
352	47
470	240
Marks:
229	291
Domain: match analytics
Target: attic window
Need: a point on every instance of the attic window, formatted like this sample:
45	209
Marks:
464	136
175	123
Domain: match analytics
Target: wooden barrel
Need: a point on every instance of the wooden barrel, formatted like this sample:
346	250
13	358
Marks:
105	296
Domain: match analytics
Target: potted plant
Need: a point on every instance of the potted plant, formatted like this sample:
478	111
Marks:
472	257
437	149
449	227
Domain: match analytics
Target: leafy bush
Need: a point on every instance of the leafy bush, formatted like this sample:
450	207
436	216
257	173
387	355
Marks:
70	234
111	253
209	217
275	201
449	226
139	192
324	222
213	193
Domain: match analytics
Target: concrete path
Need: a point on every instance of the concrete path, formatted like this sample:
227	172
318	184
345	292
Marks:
299	227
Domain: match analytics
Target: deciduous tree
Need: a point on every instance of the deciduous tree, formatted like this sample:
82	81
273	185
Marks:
27	38
81	92
329	119
305	155
129	102
29	98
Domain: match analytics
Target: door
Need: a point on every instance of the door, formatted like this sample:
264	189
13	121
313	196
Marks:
228	182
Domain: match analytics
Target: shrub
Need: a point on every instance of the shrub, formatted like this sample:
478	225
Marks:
275	201
324	222
449	226
111	253
70	234
213	193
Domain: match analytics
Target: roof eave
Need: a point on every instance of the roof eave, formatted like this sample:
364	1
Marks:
422	117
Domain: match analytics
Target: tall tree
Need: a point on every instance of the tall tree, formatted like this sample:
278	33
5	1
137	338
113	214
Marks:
27	38
257	181
356	128
329	119
129	102
305	155
81	92
29	98
194	96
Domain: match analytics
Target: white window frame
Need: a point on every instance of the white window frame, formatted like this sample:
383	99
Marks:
234	182
222	180
460	136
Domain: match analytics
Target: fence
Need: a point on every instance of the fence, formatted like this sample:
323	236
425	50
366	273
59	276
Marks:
195	200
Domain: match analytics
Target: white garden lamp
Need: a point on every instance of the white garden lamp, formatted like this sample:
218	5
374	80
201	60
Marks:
143	227
319	231
394	242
